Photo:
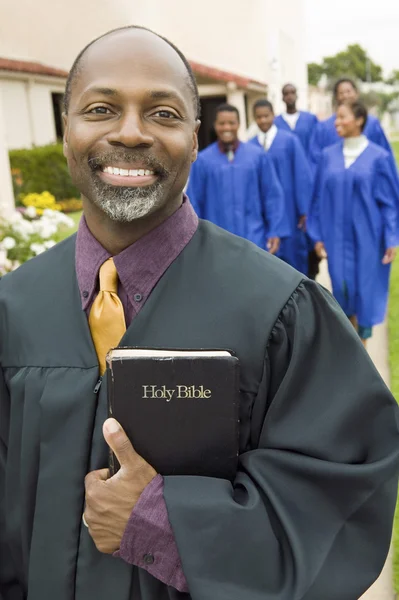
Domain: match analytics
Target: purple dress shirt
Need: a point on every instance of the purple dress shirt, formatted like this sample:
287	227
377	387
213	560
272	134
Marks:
148	540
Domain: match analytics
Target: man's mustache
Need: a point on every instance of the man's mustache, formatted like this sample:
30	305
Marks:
147	160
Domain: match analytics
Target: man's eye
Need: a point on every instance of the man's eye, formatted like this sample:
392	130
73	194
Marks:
165	114
99	110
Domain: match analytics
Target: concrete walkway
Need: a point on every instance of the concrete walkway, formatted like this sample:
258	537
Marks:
378	349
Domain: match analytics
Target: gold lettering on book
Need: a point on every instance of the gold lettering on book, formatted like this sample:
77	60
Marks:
180	391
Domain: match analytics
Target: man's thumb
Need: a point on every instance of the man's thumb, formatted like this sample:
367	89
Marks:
118	441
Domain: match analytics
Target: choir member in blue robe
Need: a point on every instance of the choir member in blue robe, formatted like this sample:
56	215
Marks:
288	157
355	218
325	133
235	186
303	124
299	122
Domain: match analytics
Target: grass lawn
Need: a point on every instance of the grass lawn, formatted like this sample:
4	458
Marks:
393	324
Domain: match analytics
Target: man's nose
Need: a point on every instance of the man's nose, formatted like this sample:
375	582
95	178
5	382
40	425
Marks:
130	131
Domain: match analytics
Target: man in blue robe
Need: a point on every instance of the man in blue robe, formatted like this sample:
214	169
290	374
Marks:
301	123
234	185
288	157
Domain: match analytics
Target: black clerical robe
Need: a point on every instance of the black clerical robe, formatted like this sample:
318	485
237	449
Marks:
310	513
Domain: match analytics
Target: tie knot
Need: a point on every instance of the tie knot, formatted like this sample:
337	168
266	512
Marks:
108	277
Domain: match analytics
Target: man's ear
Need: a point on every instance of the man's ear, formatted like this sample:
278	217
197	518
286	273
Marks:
194	152
64	138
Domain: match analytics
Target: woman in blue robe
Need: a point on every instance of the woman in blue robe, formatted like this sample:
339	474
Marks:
288	157
299	122
325	133
234	185
355	218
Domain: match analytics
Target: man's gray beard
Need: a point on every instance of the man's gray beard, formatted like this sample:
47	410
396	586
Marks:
126	204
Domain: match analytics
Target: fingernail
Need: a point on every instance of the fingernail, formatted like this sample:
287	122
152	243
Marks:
112	426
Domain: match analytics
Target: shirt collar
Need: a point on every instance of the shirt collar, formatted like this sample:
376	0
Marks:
268	137
140	265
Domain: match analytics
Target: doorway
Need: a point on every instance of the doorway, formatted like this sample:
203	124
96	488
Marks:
207	135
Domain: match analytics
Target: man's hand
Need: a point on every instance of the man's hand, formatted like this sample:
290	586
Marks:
302	222
273	244
110	500
389	256
320	250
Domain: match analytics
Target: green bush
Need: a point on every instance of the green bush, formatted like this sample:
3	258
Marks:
41	169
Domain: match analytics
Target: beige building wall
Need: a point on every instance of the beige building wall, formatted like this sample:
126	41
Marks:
260	39
28	110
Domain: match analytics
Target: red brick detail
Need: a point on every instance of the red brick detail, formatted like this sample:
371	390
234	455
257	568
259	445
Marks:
23	66
219	75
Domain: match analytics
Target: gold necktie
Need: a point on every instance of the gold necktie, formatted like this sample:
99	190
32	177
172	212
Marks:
107	319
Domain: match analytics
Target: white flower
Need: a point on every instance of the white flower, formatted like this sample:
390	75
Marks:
37	248
3	257
15	265
31	212
44	227
8	243
49	244
15	217
23	228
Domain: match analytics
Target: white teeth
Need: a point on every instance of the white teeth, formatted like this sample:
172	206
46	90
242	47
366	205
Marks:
127	172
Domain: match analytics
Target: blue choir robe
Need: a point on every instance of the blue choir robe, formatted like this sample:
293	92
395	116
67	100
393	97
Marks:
325	135
242	196
303	129
288	157
355	213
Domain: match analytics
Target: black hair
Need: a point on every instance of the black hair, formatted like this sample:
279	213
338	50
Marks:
263	103
225	107
344	80
288	84
77	66
358	109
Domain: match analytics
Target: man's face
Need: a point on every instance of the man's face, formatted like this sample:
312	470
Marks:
290	96
226	126
264	118
130	132
346	91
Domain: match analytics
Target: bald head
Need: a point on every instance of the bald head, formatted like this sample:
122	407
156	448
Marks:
134	39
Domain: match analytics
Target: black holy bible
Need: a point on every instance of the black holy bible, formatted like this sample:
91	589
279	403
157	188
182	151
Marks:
179	408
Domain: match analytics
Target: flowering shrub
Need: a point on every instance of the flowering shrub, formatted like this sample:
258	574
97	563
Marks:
40	202
70	205
24	236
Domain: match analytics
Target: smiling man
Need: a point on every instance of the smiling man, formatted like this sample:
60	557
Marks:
309	514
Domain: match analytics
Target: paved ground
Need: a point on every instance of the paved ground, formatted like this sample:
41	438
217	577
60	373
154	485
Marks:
378	350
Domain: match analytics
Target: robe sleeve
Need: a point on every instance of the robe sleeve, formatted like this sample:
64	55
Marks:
378	137
273	204
310	513
316	146
387	193
313	223
196	187
9	586
302	178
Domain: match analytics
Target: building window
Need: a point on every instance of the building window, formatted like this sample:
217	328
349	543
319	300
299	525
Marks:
57	112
